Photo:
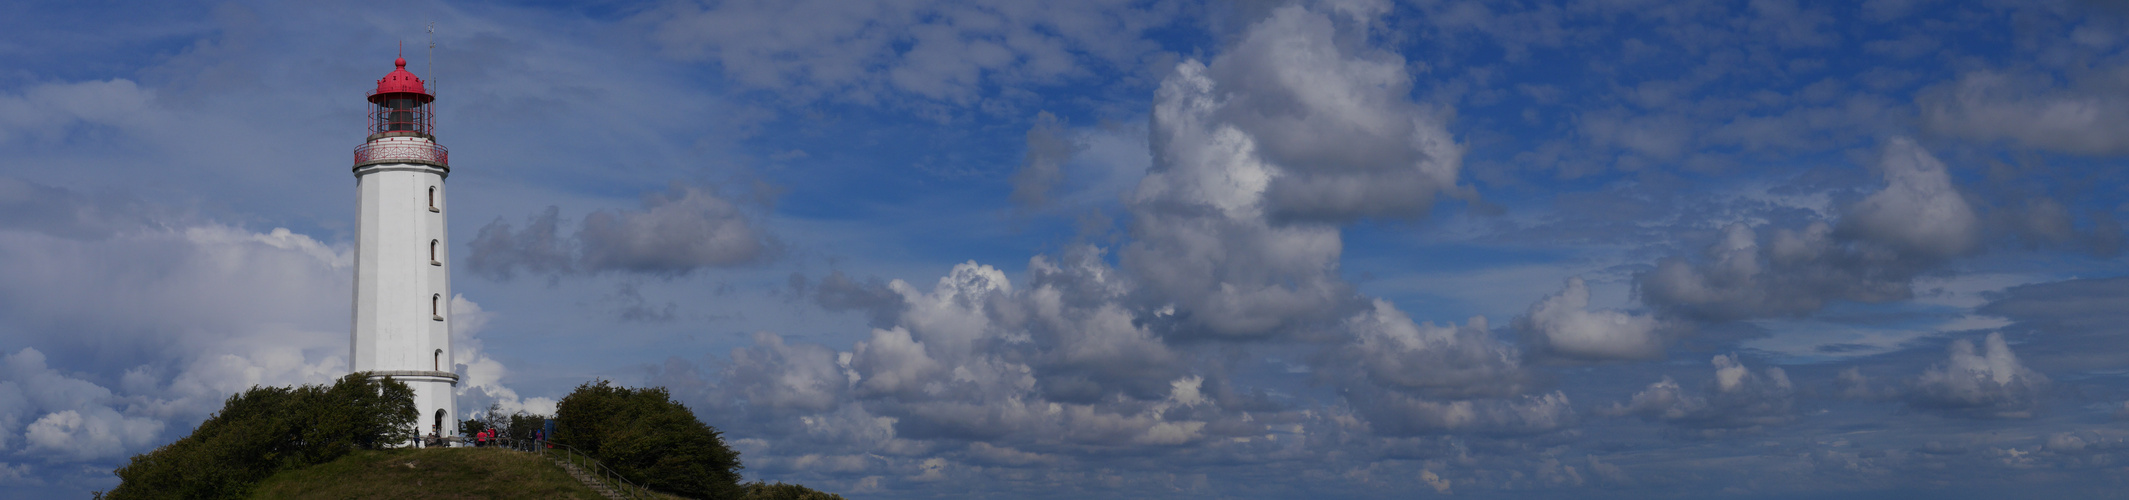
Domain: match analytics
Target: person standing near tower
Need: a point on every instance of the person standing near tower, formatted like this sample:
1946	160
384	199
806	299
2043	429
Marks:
402	267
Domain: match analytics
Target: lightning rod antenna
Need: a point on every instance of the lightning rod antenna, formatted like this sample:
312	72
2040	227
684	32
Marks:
432	71
432	54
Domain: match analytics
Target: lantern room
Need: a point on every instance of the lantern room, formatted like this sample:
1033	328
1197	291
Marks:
400	105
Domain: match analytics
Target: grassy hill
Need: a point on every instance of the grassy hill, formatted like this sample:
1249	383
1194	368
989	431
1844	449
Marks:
427	473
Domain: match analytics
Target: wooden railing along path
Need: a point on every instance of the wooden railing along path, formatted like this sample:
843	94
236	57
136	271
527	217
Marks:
597	476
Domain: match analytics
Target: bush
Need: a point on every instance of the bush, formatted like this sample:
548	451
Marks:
779	491
269	429
650	439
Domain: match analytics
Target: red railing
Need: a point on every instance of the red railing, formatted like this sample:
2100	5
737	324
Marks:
409	151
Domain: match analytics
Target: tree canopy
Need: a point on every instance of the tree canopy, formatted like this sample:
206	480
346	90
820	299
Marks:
269	429
650	439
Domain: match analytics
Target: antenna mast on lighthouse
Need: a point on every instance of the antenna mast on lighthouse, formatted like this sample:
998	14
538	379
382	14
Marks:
432	57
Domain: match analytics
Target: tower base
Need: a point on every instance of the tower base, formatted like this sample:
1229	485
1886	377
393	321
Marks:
435	400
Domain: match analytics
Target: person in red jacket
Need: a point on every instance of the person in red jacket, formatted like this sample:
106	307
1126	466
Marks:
480	439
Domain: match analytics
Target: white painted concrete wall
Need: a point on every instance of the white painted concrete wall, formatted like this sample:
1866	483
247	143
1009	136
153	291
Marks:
395	282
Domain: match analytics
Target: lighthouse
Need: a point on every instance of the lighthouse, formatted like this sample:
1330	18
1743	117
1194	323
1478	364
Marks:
402	324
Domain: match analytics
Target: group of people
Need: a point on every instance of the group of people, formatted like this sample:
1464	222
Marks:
484	438
496	437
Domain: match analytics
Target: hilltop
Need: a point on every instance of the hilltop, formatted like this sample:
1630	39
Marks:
428	473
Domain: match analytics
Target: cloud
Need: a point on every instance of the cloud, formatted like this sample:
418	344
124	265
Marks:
500	251
28	206
2045	222
1737	399
1392	413
682	230
1851	384
629	304
74	419
1049	147
838	292
1235	237
1872	254
2032	111
1440	361
1562	325
1918	212
787	379
47	113
188	313
679	231
2080	320
1257	159
135	324
1990	384
1333	122
976	358
482	382
1407	379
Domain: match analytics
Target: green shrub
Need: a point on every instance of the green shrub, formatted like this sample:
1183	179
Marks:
779	491
650	439
269	429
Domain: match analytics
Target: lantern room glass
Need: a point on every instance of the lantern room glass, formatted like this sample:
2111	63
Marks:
400	113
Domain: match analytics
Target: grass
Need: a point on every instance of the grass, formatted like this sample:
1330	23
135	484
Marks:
442	473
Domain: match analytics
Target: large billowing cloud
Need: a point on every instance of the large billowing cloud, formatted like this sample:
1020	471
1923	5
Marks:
1261	154
155	326
1260	158
677	232
1872	254
63	419
127	327
1053	363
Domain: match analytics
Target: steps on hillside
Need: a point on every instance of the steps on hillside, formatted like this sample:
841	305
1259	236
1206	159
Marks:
589	481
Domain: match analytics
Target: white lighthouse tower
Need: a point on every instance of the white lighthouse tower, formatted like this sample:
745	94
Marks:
402	267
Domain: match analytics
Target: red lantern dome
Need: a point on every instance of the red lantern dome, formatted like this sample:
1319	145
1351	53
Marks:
399	81
400	105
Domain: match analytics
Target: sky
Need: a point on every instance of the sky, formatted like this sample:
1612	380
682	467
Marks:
1124	248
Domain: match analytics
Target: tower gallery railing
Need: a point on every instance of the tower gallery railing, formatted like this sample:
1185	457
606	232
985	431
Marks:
406	151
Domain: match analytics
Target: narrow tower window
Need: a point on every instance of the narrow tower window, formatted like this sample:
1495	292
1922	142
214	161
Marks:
436	311
432	254
432	200
439	360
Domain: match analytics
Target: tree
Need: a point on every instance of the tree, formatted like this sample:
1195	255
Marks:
517	425
269	429
472	427
650	439
779	491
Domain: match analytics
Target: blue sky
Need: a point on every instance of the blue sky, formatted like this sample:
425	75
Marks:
1129	249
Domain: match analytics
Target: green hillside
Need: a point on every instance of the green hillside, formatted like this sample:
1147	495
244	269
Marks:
427	473
332	441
